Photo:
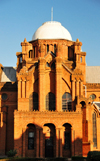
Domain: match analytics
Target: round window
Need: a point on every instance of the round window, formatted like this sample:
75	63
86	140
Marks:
4	96
92	96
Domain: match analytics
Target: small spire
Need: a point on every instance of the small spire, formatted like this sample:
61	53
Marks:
52	14
25	40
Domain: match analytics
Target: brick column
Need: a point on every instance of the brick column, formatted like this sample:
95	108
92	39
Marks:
23	89
27	89
81	88
19	88
41	143
73	142
58	84
37	143
41	72
77	88
3	130
73	94
57	142
23	143
61	141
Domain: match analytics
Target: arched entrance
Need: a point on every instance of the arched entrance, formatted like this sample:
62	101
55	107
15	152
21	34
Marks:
49	130
67	140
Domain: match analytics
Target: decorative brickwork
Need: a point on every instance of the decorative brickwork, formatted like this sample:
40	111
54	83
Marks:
48	111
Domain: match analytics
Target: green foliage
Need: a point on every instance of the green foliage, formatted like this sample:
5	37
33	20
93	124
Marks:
93	156
35	159
11	153
78	158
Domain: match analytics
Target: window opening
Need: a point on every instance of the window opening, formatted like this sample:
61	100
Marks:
30	140
4	96
21	59
34	52
94	130
35	101
66	101
67	140
92	96
47	48
55	49
50	101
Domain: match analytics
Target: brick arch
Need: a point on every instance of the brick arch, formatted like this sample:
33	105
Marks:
49	132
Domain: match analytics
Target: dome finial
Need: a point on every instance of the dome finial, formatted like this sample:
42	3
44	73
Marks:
52	14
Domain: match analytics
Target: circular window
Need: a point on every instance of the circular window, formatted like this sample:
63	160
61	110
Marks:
4	96
92	96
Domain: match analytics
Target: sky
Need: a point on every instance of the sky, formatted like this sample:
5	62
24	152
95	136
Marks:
19	19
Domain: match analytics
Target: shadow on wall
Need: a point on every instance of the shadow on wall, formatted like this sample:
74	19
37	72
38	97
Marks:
8	105
46	142
38	142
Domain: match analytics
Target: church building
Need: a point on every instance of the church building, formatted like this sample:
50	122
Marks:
50	102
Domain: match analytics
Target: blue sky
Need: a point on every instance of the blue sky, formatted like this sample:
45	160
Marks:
19	19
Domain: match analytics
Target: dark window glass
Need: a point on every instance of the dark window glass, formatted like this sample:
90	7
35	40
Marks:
55	49
4	96
94	130
47	48
67	140
31	140
34	52
92	96
35	101
21	59
66	101
50	101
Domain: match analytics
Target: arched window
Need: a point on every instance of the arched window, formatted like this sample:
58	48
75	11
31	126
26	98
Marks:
55	49
93	96
31	135
35	101
31	54
67	136
47	48
33	51
66	101
31	140
50	101
94	129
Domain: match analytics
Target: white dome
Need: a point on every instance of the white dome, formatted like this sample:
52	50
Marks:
52	30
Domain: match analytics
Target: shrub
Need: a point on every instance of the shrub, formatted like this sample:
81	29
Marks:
93	156
11	153
78	158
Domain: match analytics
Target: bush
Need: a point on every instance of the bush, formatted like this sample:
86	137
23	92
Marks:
93	156
78	158
11	153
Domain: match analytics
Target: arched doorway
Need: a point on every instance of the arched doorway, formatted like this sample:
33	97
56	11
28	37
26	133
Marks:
67	140
50	138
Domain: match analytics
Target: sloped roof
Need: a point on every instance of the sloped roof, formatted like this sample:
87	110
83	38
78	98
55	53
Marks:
92	74
8	74
97	104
